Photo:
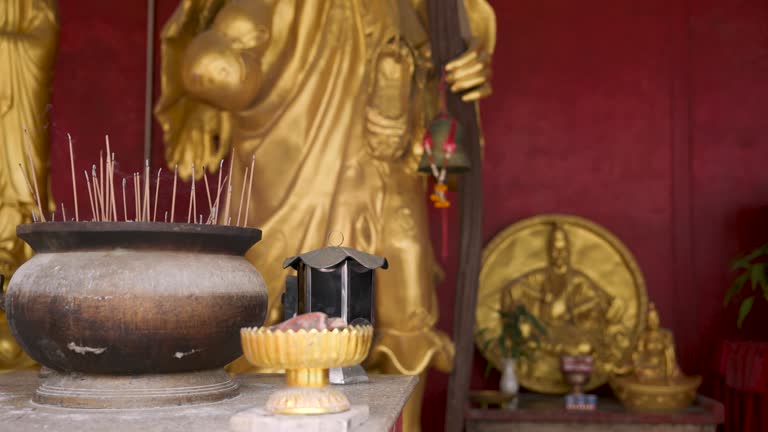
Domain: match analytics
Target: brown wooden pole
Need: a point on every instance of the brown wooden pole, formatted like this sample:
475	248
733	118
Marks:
447	44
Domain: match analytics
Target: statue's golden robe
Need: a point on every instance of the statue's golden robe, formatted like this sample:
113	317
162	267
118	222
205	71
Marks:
330	97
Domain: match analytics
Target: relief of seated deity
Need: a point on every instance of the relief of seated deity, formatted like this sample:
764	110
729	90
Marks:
579	316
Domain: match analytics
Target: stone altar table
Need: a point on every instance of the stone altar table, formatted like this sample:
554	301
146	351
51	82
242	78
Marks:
540	413
385	394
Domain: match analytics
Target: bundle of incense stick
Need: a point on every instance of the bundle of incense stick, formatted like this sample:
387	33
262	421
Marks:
103	201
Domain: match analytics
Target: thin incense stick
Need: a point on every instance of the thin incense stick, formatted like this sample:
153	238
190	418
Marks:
112	187
136	194
125	206
101	183
229	185
248	199
191	195
227	201
63	212
33	171
157	191
53	215
173	196
166	216
34	216
194	193
218	184
207	190
90	196
97	193
215	213
145	202
74	183
108	181
242	194
26	180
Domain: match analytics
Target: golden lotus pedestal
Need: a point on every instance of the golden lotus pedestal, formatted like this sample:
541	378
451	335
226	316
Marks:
306	356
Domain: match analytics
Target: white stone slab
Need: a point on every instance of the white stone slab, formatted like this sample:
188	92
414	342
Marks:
261	420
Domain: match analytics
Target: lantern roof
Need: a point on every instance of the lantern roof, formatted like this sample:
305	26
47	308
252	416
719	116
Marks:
334	255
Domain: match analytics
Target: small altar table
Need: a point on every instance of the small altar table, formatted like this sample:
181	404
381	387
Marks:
540	413
384	394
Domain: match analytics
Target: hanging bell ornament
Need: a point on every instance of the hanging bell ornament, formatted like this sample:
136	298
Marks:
443	139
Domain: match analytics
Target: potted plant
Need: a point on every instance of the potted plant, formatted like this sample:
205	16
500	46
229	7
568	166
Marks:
519	331
752	268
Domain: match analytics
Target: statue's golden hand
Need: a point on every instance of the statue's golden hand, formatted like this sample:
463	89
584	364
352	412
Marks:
201	141
470	73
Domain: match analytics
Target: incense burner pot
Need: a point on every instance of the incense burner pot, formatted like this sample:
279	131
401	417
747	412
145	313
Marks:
156	304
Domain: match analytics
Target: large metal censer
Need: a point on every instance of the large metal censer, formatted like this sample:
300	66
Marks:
132	314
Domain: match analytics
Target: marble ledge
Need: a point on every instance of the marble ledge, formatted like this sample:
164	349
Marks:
384	394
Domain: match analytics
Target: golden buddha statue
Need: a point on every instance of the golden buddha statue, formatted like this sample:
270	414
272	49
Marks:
28	40
654	359
579	316
653	381
330	98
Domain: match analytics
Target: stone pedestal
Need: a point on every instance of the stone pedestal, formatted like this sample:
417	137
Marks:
261	420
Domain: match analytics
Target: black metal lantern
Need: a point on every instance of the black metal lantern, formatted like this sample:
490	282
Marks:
338	281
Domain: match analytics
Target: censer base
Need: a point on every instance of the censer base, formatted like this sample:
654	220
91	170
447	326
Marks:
76	390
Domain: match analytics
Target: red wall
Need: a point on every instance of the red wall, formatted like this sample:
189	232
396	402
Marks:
646	117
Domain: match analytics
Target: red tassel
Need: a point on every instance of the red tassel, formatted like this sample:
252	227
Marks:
444	223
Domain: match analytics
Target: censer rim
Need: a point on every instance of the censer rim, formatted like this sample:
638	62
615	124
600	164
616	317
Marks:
93	235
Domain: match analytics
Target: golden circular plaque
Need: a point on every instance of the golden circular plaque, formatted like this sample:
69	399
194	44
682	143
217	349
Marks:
578	280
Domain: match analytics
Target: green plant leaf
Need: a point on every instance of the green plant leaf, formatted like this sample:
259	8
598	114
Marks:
758	276
746	306
744	262
736	286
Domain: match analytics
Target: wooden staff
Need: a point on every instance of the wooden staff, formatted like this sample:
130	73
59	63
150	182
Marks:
173	195
248	199
74	183
33	171
445	28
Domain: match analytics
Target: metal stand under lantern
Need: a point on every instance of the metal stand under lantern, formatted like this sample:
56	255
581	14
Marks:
339	282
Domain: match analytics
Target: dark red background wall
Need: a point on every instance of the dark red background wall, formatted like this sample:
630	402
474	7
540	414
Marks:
649	117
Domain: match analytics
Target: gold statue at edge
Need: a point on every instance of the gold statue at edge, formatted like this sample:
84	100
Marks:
653	381
331	98
28	41
578	280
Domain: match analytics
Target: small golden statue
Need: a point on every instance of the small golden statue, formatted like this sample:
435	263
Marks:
653	381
